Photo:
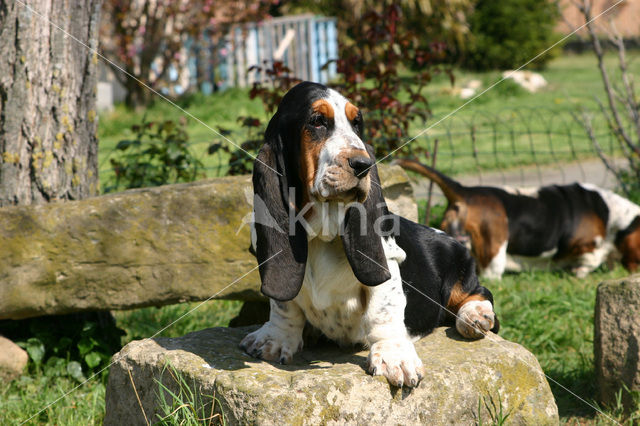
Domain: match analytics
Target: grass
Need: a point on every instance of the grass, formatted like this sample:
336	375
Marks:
551	314
504	128
28	395
31	393
188	317
181	404
509	127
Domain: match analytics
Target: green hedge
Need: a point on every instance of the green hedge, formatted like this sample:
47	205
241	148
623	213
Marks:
505	34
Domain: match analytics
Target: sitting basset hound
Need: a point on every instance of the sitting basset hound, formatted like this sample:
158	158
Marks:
331	254
575	227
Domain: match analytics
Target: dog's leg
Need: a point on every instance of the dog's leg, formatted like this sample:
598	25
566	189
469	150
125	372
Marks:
590	261
392	353
497	265
280	337
473	310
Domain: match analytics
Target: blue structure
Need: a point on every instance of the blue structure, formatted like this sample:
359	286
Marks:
304	43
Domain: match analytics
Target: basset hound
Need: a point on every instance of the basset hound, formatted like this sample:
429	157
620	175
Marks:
332	255
576	227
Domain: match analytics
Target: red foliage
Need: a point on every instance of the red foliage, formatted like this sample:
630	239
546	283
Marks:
376	68
383	70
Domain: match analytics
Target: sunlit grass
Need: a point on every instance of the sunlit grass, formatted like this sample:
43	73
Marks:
504	128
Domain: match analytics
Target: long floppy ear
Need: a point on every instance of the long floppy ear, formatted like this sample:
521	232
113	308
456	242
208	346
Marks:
361	240
282	255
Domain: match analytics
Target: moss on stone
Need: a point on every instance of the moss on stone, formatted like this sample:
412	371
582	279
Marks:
338	389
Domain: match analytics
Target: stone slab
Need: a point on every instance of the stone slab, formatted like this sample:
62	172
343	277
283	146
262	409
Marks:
617	339
142	247
329	385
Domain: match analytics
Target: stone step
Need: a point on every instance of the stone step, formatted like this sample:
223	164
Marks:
327	384
616	341
142	247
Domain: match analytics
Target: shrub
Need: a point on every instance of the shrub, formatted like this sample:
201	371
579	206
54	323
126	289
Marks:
372	67
73	345
506	34
158	154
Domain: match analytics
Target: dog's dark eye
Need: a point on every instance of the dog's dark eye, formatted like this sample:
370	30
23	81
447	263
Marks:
318	120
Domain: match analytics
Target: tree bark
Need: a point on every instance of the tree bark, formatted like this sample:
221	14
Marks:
48	120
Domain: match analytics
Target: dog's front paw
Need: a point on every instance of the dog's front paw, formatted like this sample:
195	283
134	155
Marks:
581	271
397	360
475	318
272	344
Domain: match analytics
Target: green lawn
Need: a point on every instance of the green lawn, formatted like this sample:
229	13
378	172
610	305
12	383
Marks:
504	128
550	313
508	126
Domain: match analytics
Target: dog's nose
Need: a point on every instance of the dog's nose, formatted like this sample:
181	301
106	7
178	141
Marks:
360	165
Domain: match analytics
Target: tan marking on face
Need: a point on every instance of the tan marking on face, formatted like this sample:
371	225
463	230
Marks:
309	155
323	107
363	185
485	220
584	239
630	249
310	149
346	154
454	218
351	111
459	297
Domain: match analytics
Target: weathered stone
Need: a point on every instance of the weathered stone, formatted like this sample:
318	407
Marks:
398	191
151	246
617	338
330	385
13	360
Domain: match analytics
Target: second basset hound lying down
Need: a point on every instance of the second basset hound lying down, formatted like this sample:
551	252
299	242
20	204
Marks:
575	227
331	254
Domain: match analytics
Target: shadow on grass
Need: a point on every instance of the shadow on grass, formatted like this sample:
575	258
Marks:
581	383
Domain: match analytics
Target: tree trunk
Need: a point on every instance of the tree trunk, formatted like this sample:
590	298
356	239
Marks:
48	120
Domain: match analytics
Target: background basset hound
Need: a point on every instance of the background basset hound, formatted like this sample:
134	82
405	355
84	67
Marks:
576	226
330	253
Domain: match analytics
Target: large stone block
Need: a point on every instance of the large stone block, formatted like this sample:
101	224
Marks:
617	338
142	247
330	385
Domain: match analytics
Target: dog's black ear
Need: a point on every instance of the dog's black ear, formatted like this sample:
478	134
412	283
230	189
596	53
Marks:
361	237
282	255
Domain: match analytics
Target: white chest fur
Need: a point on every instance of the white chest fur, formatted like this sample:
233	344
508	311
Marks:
331	297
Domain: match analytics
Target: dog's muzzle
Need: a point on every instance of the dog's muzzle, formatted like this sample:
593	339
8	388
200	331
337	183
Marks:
360	165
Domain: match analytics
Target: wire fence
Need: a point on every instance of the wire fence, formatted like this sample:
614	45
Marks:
502	143
511	145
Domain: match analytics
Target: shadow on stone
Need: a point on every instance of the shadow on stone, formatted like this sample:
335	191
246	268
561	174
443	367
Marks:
329	384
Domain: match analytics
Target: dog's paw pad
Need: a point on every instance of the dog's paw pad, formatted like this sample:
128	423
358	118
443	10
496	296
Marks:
397	360
475	319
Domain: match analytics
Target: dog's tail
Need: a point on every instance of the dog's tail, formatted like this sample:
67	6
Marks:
451	189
